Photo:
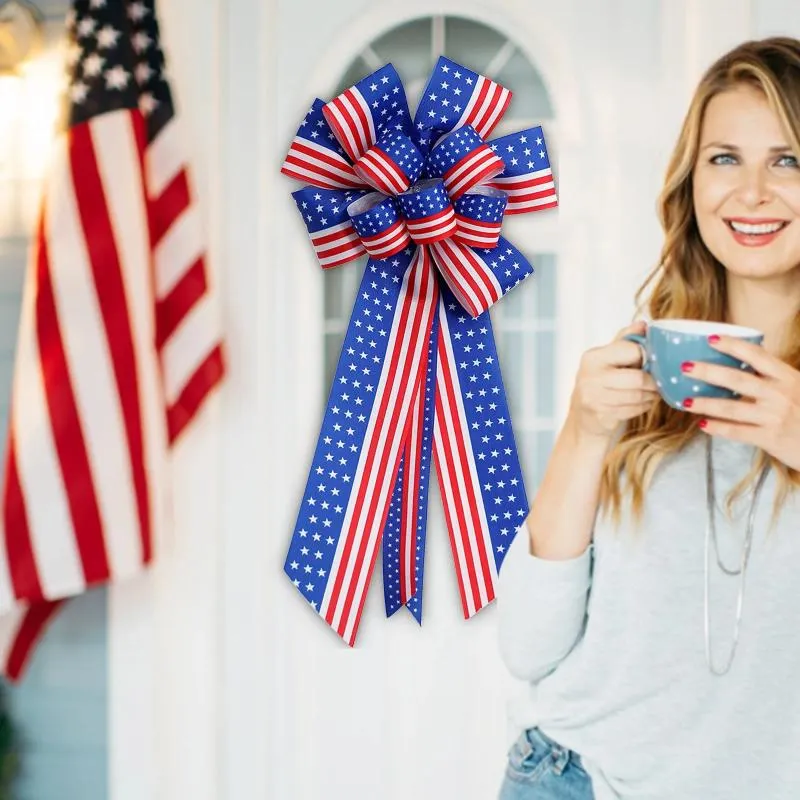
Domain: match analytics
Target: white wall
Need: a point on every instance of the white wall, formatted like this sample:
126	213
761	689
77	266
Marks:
243	690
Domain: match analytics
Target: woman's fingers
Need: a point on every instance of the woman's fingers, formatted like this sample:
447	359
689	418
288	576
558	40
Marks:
629	378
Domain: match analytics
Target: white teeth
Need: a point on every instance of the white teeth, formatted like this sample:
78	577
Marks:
766	227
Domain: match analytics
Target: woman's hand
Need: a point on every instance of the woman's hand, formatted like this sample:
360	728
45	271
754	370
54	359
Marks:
768	413
611	387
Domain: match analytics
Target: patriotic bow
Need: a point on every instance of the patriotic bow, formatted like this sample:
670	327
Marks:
417	376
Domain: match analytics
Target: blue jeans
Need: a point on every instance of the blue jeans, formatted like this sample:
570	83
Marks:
541	769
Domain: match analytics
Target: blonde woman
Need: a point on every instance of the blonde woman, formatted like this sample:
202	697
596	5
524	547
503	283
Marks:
652	673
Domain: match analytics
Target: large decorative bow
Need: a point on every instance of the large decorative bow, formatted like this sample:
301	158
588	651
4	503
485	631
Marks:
418	372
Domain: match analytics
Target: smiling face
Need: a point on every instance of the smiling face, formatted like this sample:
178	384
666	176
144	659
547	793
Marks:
746	186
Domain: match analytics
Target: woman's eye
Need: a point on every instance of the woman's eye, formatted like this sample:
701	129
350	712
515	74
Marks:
788	161
723	158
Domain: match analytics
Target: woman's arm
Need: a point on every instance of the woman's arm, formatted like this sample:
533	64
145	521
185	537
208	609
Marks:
545	577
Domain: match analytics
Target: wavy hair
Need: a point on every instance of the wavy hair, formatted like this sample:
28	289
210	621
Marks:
688	282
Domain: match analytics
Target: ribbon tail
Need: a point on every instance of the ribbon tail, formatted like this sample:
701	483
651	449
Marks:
480	477
339	526
404	538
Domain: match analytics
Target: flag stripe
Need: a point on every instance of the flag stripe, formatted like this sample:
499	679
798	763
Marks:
194	393
496	110
57	333
97	337
452	271
30	627
181	354
165	208
171	310
181	245
36	466
164	158
477	234
433	228
24	577
536	190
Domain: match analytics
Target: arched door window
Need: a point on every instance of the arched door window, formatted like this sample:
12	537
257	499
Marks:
525	320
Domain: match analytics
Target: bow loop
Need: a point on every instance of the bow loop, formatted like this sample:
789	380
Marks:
463	160
333	236
375	219
362	114
479	217
392	165
430	216
479	102
527	178
316	157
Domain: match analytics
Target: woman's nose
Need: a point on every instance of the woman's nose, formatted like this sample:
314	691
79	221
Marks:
755	189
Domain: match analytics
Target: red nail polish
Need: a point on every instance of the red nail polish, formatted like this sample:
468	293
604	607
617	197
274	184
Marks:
703	423
713	339
688	402
687	366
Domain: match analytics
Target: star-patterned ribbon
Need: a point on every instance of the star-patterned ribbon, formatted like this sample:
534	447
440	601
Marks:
418	377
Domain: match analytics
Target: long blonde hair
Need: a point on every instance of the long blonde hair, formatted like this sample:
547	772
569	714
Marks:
690	283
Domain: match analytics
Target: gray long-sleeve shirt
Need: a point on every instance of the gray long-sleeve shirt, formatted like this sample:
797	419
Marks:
611	643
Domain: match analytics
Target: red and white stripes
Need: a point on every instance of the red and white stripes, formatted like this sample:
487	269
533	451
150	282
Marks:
468	276
119	344
479	165
310	162
337	245
394	239
458	483
532	192
402	376
434	228
486	106
350	118
379	170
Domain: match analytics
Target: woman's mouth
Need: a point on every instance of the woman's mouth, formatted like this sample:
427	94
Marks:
755	232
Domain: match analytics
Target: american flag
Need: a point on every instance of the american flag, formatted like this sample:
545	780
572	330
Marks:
119	342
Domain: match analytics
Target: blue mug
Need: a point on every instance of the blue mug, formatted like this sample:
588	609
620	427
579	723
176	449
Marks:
670	342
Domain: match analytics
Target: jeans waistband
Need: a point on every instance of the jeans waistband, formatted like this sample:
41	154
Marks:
560	752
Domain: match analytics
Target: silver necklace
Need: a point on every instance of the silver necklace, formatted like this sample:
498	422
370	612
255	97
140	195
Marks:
711	533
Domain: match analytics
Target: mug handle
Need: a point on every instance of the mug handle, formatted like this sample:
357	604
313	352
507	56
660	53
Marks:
642	342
